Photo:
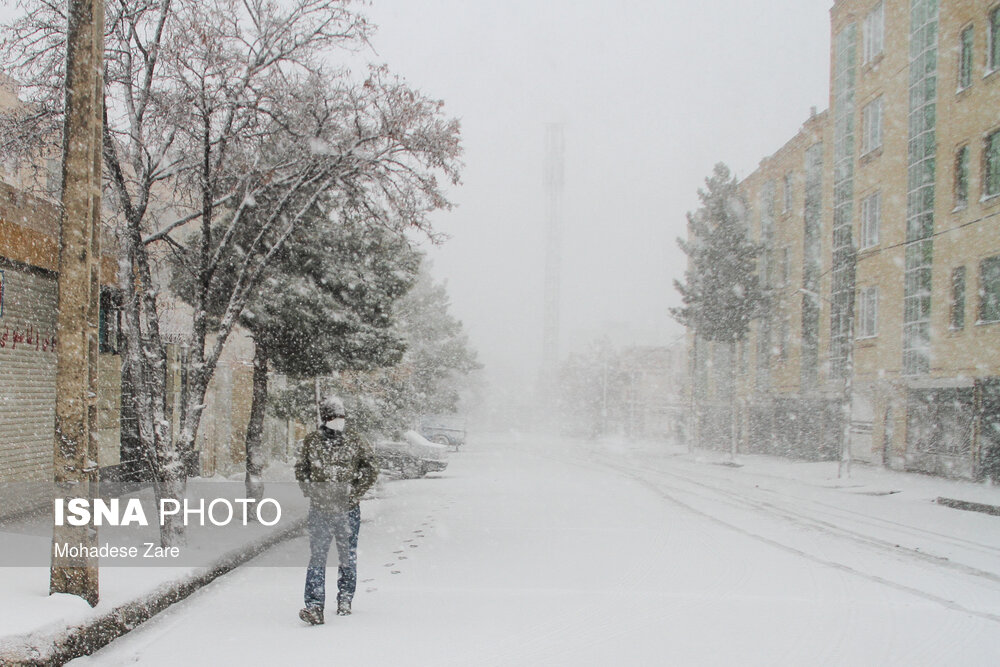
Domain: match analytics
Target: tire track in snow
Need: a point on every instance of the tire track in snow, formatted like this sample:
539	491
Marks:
792	515
722	587
945	602
589	624
840	512
591	628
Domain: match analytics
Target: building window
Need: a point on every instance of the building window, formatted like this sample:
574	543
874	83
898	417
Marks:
921	176
844	112
53	177
767	270
965	60
873	33
958	298
991	165
9	171
871	217
871	126
786	339
989	290
109	323
993	44
812	198
962	177
868	312
788	192
767	195
763	377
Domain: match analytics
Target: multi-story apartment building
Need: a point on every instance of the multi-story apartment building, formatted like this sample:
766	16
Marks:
926	202
886	291
788	403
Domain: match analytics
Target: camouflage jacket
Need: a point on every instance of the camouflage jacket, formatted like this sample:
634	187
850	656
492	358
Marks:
335	469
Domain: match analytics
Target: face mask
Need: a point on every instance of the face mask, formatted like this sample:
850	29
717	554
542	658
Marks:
336	424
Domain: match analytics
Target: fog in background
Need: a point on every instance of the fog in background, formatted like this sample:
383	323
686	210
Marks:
652	95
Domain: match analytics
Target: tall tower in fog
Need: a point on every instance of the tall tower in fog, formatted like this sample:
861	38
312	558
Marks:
554	150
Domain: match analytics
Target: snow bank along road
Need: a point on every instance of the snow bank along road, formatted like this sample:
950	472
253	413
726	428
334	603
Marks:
550	552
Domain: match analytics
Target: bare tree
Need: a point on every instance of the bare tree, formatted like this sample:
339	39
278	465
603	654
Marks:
223	114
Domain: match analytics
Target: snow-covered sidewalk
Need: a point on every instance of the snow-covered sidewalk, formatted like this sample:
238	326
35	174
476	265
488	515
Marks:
952	520
861	479
31	620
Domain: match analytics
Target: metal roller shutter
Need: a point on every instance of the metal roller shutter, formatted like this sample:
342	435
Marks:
27	374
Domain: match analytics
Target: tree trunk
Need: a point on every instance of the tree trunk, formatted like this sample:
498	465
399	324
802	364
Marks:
75	457
694	429
199	375
171	468
146	357
733	415
255	428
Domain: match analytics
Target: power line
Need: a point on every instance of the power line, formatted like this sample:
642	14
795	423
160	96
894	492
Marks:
868	254
878	251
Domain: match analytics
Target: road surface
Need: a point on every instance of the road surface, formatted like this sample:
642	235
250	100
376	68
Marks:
535	551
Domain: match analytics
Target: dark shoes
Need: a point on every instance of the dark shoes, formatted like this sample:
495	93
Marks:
312	615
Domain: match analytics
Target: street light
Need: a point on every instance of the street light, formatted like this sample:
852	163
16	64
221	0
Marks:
845	441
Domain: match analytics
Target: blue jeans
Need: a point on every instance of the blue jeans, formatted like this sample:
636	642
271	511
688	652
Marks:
324	527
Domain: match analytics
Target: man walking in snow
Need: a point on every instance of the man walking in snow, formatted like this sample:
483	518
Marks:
334	469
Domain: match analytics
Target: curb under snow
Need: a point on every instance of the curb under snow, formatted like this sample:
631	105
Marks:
60	647
969	507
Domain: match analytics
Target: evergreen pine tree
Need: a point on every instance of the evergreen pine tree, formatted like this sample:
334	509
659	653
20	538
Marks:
722	291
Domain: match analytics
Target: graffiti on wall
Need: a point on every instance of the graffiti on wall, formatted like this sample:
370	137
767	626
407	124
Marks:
23	335
27	338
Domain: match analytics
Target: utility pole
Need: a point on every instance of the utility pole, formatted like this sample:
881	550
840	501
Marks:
554	184
75	450
844	466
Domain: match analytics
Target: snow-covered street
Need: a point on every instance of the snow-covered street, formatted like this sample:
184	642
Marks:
530	551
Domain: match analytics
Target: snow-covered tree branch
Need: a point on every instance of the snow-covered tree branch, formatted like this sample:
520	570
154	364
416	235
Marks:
226	115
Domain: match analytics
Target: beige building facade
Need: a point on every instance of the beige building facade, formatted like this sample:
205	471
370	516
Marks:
788	401
884	267
927	233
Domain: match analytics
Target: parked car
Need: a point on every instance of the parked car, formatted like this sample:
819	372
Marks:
413	456
443	430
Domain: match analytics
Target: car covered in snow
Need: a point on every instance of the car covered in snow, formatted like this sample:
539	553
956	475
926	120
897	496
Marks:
412	456
443	430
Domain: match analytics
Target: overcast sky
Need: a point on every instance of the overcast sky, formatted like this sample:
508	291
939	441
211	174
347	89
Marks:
652	94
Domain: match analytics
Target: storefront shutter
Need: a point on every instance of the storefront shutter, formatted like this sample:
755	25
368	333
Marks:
27	374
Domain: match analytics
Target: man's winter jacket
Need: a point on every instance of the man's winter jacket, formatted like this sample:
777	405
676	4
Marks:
335	469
